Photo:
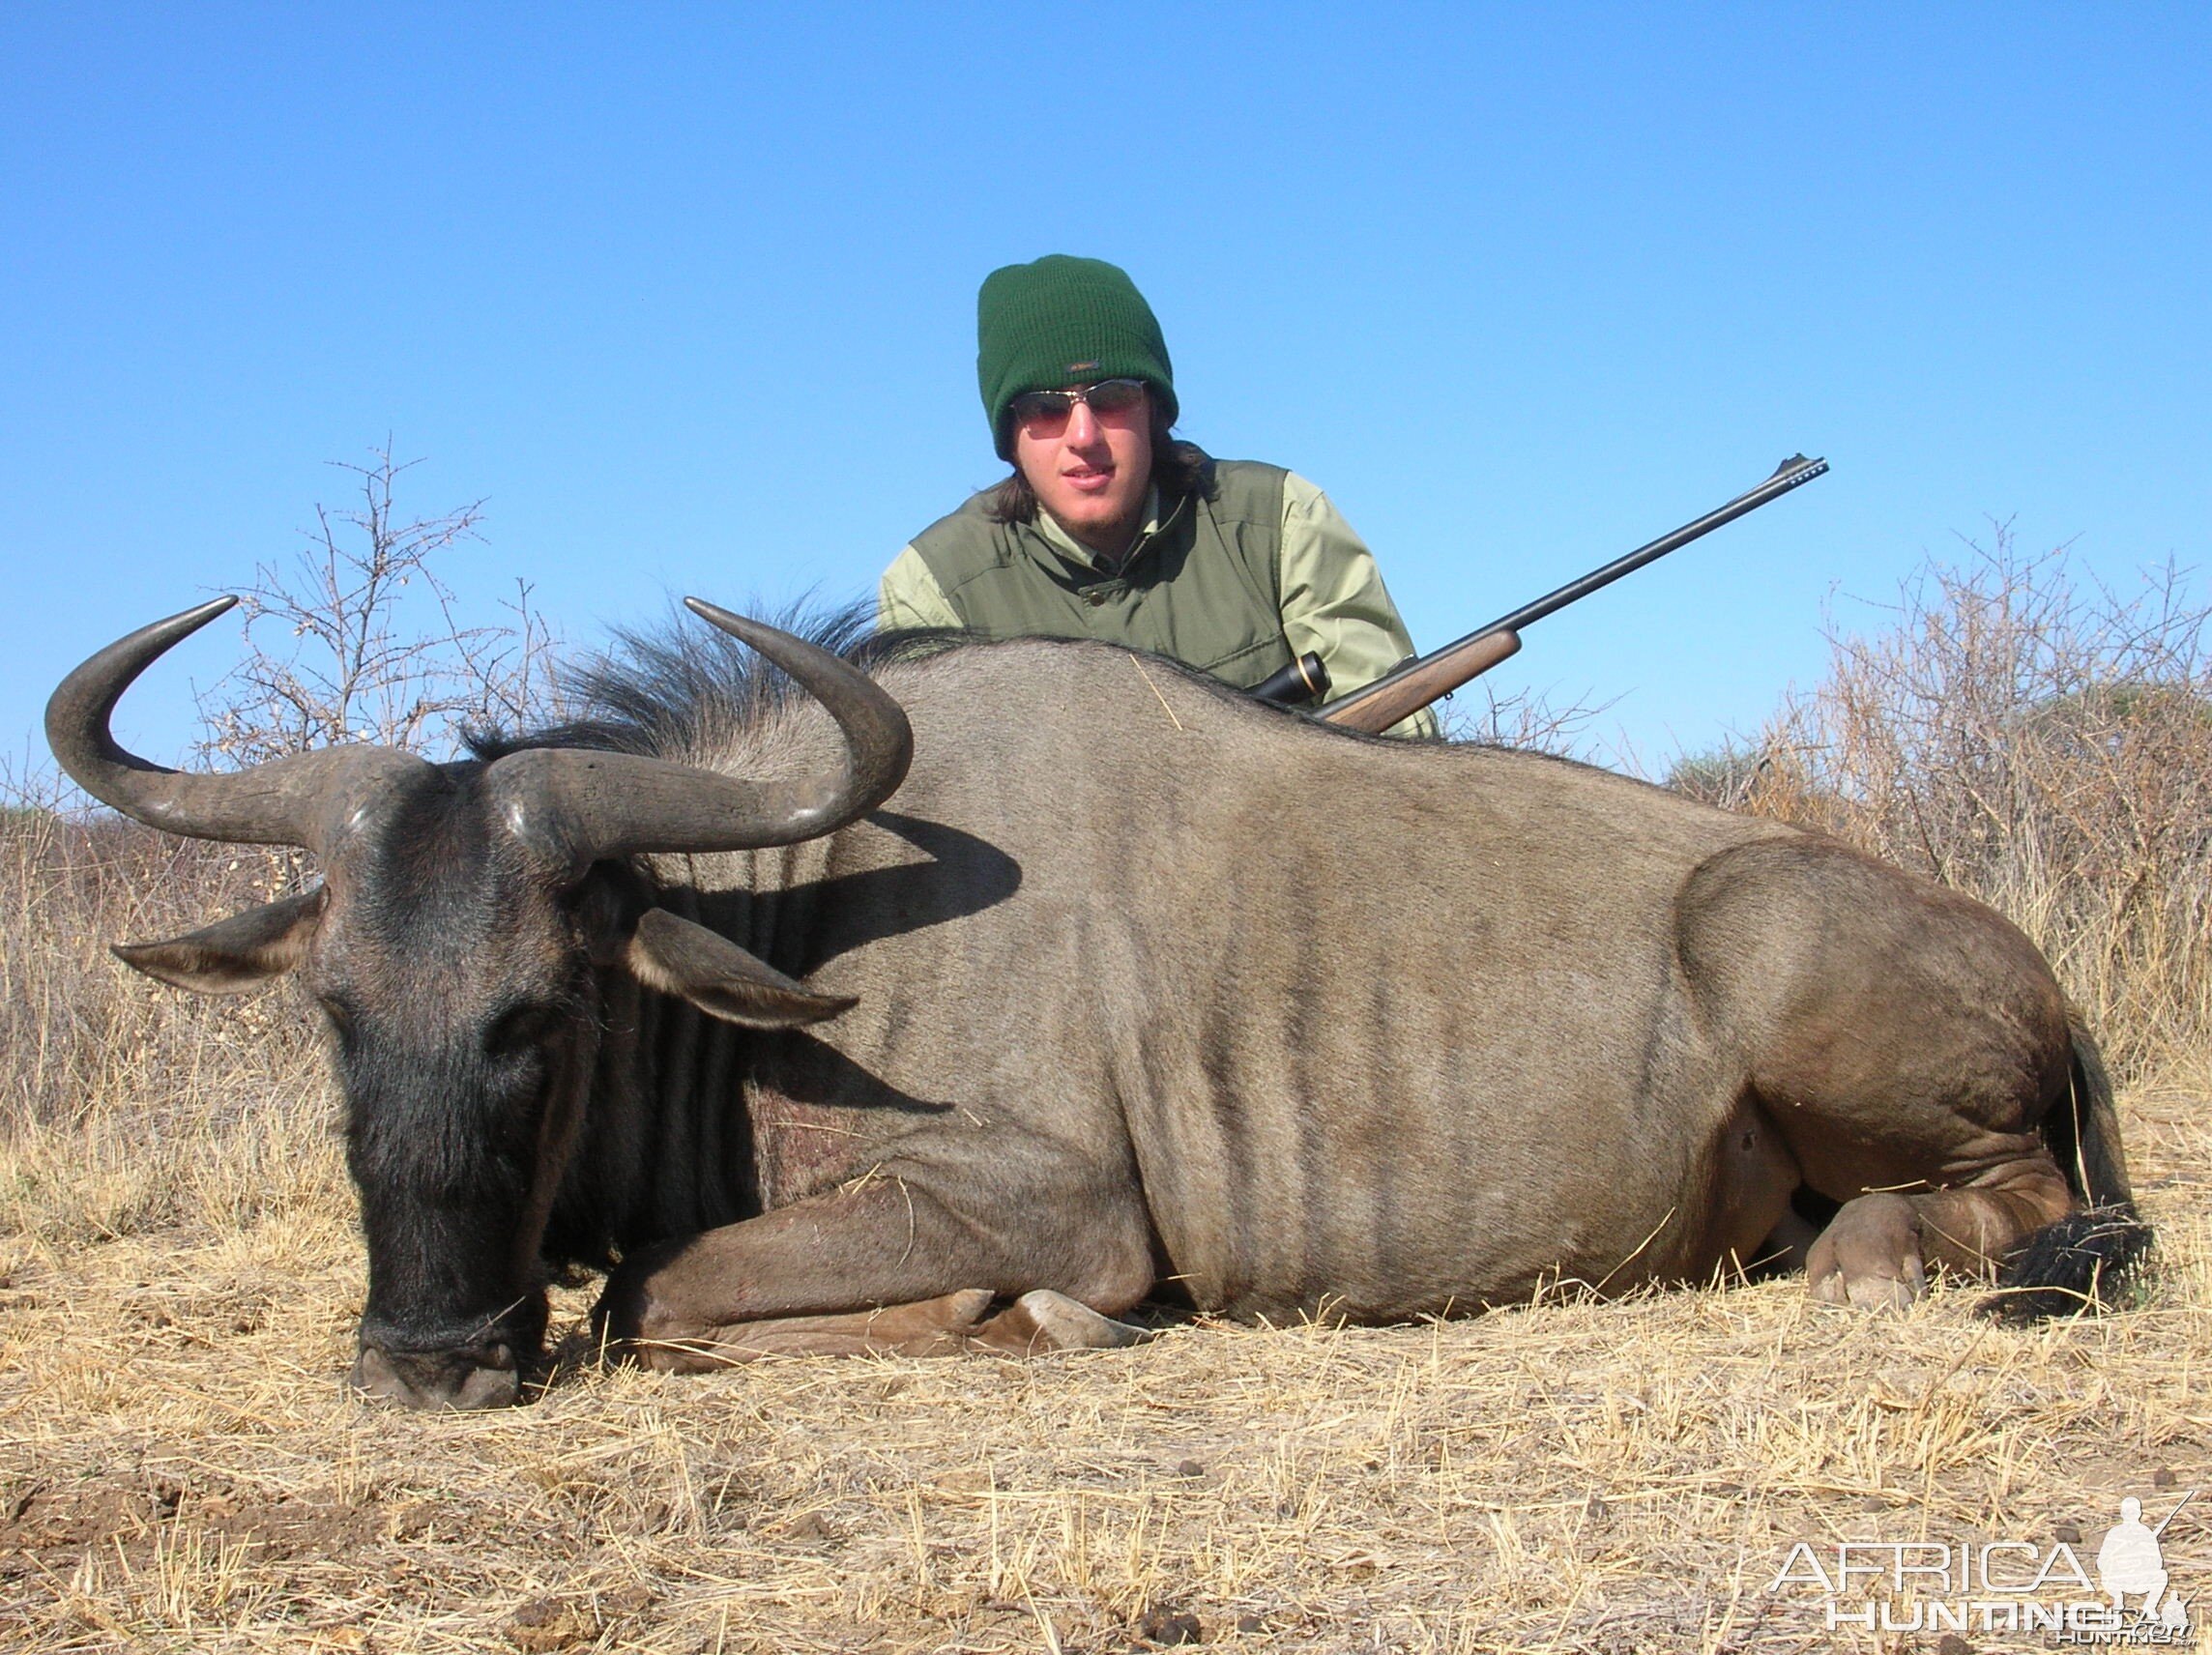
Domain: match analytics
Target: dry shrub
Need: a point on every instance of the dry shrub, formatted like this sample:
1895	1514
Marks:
2041	744
124	1106
1525	718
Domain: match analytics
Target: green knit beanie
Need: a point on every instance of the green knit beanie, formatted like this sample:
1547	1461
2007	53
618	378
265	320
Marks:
1064	321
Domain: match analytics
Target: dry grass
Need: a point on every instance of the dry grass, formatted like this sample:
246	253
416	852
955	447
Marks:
181	1470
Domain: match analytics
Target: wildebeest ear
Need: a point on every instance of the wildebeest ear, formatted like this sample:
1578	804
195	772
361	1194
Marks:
677	957
244	951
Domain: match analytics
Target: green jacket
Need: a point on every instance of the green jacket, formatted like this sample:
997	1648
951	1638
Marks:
1236	585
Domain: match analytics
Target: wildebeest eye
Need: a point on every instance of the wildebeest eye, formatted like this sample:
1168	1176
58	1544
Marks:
519	1028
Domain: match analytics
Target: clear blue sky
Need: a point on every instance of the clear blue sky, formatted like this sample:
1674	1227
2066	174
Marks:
687	294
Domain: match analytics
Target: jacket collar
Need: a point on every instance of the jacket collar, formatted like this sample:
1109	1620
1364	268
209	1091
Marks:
1075	552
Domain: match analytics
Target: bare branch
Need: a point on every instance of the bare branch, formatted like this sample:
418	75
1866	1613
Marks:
328	658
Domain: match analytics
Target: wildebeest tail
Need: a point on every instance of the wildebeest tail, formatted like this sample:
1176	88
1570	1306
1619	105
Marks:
2075	1264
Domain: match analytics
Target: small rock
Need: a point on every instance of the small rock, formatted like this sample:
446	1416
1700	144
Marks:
544	1625
1190	1469
810	1525
2163	1477
1251	1623
410	1522
1595	1509
1951	1644
1166	1626
2067	1534
633	1599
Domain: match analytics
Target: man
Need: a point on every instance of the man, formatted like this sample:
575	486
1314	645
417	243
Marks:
1110	529
2130	1559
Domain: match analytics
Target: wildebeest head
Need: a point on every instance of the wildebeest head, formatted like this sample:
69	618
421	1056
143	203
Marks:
466	912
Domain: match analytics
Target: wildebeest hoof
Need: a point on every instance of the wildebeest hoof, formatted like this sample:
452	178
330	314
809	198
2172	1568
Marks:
1880	1294
619	1319
437	1380
629	1327
1043	1320
1869	1257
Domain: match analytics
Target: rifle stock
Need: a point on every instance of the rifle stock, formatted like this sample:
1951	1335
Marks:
1432	677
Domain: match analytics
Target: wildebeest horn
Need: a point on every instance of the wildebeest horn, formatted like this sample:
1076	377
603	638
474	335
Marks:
589	804
286	801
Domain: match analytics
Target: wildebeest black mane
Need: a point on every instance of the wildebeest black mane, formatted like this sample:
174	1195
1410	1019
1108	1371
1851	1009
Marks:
677	687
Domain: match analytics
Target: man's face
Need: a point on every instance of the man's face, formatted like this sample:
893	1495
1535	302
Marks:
1091	474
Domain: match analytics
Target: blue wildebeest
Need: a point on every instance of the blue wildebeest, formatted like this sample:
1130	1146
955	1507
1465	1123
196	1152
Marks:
1142	987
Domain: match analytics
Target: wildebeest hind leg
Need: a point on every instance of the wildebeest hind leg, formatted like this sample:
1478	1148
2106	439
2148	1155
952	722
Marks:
1906	1042
1874	1253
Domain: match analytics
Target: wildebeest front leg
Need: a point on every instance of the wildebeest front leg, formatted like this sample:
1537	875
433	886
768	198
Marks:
881	1266
949	1326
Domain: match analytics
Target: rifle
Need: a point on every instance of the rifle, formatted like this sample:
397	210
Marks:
1417	682
2174	1513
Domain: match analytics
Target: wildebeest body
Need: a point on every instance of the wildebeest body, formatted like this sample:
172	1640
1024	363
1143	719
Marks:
1370	1026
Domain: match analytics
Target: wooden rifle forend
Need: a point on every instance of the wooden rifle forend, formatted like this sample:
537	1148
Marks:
1412	686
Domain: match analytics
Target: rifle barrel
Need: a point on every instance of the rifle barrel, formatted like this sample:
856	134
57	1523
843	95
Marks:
1788	474
2174	1513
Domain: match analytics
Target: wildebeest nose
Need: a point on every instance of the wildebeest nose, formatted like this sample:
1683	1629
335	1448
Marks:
435	1381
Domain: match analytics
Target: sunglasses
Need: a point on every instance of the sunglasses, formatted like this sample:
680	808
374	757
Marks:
1044	412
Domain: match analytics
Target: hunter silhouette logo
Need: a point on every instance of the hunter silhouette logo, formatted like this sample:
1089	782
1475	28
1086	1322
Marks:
2131	1561
2002	1586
